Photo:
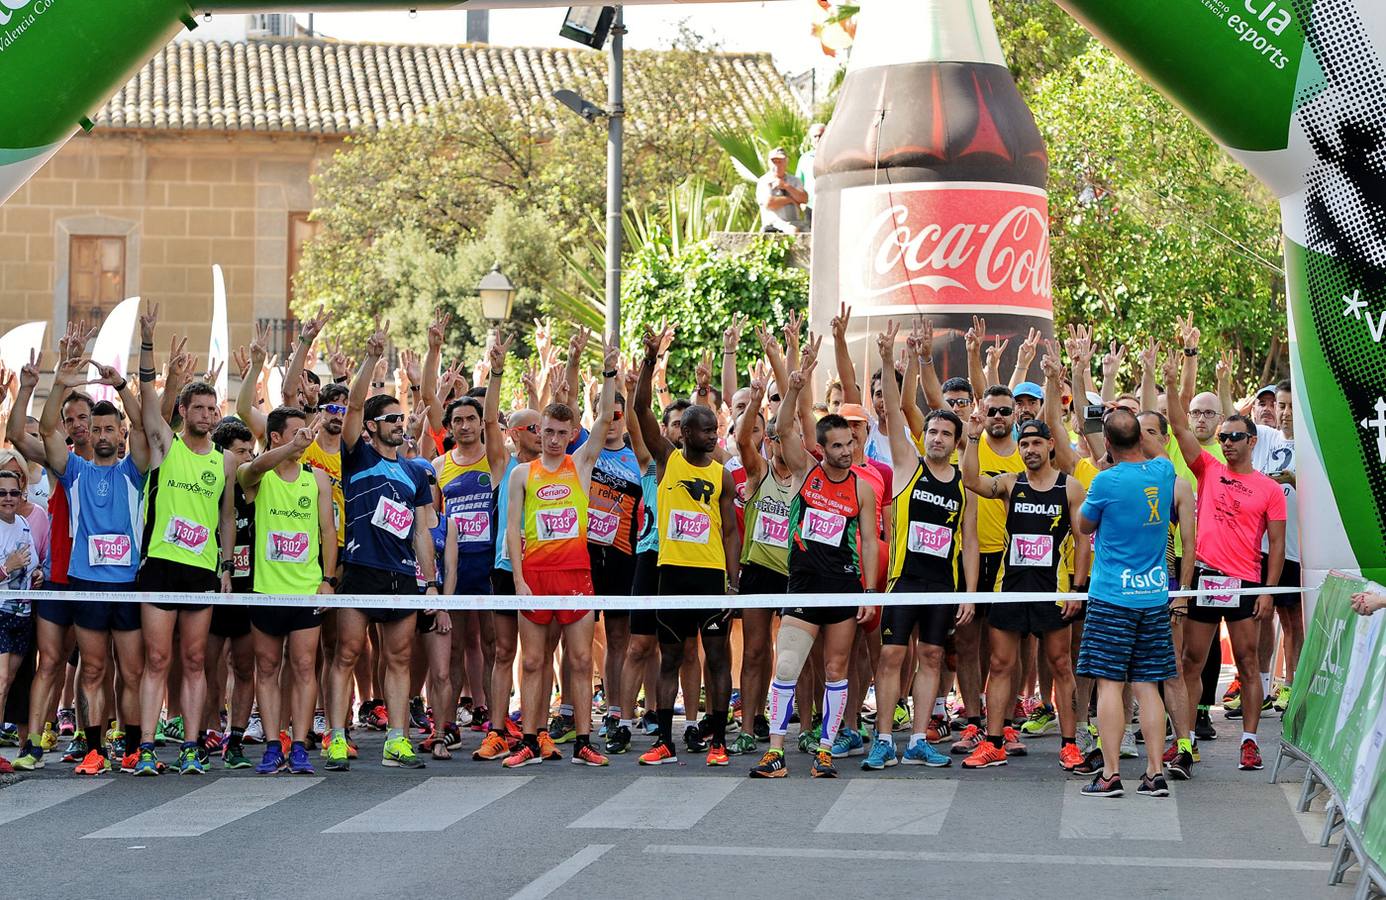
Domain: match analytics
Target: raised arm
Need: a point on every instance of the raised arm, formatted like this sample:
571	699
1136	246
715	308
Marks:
922	340
1025	357
904	456
1223	370
1150	361
796	457
354	422
731	342
1178	414
1188	532
866	525
246	410
586	457
30	447
751	459
1188	378
136	444
658	445
992	487
973	340
842	357
731	533
249	474
1065	457
630	380
429	380
156	427
176	374
496	455
68	374
308	331
1111	364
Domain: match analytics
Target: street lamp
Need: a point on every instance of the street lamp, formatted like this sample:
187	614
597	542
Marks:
497	295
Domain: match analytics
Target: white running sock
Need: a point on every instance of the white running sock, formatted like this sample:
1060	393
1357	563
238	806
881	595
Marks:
916	738
939	708
834	699
781	705
1265	682
1248	736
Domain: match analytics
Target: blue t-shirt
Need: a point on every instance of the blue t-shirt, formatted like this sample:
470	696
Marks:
1131	504
105	518
649	500
502	511
381	495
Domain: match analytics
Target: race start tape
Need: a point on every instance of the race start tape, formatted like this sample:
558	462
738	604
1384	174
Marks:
493	602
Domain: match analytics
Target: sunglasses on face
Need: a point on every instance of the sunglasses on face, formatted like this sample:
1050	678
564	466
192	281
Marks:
1002	411
532	429
1233	437
616	415
956	402
774	398
391	418
12	493
334	409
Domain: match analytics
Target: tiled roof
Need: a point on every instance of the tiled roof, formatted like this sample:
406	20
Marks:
328	87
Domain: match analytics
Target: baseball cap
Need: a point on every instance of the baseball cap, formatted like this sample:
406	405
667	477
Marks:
1034	428
1028	389
1268	389
853	412
778	153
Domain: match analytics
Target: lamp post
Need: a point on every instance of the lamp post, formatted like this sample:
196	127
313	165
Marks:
497	295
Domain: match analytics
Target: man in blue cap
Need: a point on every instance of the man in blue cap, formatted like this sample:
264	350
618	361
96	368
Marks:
1029	397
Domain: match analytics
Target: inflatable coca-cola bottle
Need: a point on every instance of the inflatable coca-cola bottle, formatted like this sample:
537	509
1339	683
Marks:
930	184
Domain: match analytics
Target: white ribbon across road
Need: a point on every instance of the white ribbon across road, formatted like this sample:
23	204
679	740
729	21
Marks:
492	602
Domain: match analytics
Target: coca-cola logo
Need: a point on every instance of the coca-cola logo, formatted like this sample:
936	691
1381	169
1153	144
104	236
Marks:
116	548
559	522
691	525
553	492
907	246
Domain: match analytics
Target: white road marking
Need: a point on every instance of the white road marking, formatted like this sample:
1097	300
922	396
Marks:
562	873
660	803
209	808
434	805
890	806
1130	818
29	797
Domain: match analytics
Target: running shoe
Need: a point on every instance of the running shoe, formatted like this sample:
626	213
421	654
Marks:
1203	727
173	730
1070	757
970	739
985	756
493	747
1020	713
67	722
609	724
147	764
717	756
233	757
562	729
809	740
94	763
272	762
1181	767
658	755
587	755
6	768
1170	752
319	722
958	720
1012	740
378	719
399	754
901	718
1128	745
190	760
512	730
695	738
761	726
771	765
1153	787
452	736
823	765
547	748
745	743
524	756
255	730
1251	756
76	749
49	739
1282	699
618	739
922	753
1086	736
1041	722
116	745
848	743
418	715
481	719
651	723
1235	713
1092	764
337	757
9	735
299	762
463	716
938	730
30	758
1104	787
129	761
881	755
1268	702
1234	691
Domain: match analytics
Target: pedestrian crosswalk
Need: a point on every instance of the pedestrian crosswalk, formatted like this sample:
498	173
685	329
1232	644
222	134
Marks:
885	805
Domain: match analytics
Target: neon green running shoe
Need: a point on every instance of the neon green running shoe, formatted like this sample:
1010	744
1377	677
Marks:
399	754
337	754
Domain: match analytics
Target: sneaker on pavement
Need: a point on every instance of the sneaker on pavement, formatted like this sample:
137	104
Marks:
1012	740
761	726
922	753
970	739
562	729
1153	787
587	755
1251	756
30	758
190	760
823	764
94	763
9	734
378	718
1203	727
695	738
1091	765
493	747
523	756
1070	757
337	755
618	739
881	755
1104	787
901	718
717	756
148	762
547	748
771	765
272	761
1041	722
1086	738
67	722
745	743
985	756
1128	745
76	749
658	755
651	723
399	754
848	743
1181	767
1234	691
234	758
1282	698
254	730
48	740
299	761
938	730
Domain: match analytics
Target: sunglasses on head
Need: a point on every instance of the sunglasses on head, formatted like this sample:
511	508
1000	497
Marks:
1000	410
334	409
1234	437
392	418
956	402
12	492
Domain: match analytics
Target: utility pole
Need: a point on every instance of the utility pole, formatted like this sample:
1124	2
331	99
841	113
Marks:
616	113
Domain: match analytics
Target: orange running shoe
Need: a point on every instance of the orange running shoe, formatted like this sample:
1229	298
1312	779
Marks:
493	747
658	755
1014	747
285	742
985	756
587	755
127	762
93	764
547	748
513	730
717	756
1069	757
970	740
522	757
1234	690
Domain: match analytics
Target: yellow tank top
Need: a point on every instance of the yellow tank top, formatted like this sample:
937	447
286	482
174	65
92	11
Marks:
331	464
555	518
452	468
1084	472
991	514
690	515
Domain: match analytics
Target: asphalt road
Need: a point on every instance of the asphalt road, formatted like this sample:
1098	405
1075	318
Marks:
463	829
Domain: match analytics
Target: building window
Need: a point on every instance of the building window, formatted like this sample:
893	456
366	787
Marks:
301	231
95	276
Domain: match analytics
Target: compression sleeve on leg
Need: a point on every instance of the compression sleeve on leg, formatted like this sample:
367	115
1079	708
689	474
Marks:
834	701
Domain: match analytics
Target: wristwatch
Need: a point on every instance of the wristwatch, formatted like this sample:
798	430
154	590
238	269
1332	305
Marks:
227	565
1190	351
330	581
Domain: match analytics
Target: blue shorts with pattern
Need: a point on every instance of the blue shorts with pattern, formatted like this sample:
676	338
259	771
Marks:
1125	644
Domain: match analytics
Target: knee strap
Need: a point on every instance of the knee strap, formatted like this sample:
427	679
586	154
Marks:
792	648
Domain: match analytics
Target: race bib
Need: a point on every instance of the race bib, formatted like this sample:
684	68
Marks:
240	559
1031	550
473	527
771	530
602	526
396	518
824	527
109	550
556	524
1219	583
187	534
689	527
287	546
931	540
